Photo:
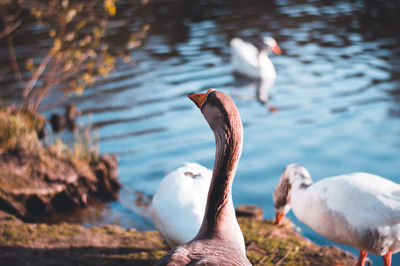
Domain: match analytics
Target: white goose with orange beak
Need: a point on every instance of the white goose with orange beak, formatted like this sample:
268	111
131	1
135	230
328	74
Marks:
359	209
250	62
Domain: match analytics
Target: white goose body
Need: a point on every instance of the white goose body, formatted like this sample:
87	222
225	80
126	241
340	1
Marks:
248	61
179	203
359	209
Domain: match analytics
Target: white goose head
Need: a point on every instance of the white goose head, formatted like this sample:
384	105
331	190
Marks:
272	44
293	175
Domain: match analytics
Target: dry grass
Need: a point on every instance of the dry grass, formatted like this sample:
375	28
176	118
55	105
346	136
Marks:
266	244
18	129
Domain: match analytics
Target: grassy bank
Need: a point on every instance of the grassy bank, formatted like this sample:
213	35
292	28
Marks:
70	244
37	180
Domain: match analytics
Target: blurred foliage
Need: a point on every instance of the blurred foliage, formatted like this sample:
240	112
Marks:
77	55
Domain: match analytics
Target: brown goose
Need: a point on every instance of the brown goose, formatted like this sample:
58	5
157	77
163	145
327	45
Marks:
215	243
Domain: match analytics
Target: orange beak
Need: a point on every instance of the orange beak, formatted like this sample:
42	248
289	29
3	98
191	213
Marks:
199	98
279	218
276	49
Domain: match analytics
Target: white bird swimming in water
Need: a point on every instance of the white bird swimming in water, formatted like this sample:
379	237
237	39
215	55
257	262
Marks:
249	61
359	209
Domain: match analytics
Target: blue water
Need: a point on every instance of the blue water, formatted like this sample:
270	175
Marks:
337	91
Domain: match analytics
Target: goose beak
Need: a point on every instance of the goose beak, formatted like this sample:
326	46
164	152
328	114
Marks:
279	218
276	49
199	98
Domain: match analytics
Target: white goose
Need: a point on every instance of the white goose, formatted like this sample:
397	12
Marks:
250	62
179	203
183	193
216	242
359	209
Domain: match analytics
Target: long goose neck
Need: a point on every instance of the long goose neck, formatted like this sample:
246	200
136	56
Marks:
220	213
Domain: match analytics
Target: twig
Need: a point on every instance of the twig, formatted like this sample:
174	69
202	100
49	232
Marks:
35	77
4	72
13	58
10	45
10	22
284	257
78	68
49	82
10	28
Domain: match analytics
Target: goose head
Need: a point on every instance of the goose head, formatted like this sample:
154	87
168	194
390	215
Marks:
272	44
294	175
219	110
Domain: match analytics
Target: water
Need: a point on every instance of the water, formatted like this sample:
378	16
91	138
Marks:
337	90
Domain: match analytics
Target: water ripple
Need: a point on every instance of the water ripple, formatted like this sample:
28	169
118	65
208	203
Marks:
337	93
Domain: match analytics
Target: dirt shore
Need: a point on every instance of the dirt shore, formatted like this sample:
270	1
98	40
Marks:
70	244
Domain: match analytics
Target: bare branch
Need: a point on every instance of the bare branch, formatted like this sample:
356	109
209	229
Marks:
78	67
35	77
4	72
10	28
13	59
10	21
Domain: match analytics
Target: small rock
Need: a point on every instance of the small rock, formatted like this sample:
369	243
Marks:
250	211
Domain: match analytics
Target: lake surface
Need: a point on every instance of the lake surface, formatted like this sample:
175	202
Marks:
337	91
